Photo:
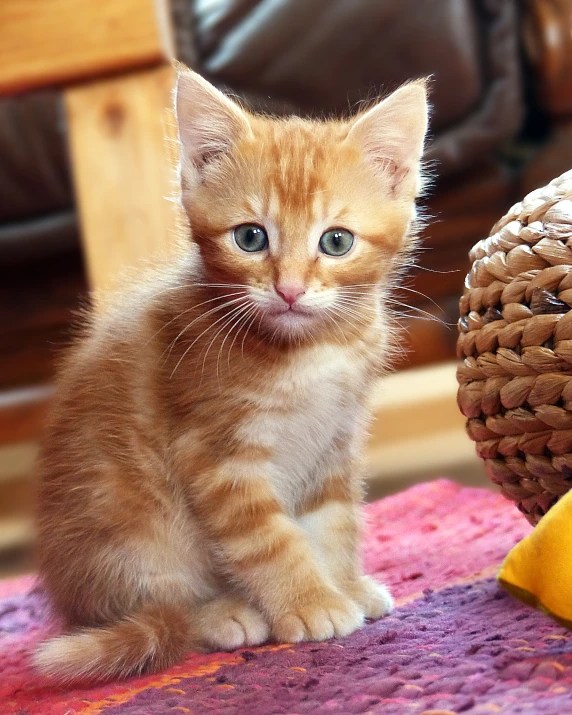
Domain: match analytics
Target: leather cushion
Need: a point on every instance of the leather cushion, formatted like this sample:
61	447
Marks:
315	57
34	173
323	56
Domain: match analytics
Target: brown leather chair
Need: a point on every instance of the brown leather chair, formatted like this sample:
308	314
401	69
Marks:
313	57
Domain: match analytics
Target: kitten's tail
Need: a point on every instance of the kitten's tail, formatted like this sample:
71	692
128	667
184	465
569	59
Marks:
153	639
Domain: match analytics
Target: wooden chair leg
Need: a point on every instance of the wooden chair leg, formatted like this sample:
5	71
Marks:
124	156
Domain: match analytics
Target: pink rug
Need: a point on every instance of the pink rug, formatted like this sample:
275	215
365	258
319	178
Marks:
456	643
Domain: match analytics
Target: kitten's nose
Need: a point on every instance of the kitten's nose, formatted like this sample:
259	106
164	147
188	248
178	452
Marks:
290	292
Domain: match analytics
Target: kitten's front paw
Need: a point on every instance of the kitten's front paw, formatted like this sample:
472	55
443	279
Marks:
373	597
331	615
230	622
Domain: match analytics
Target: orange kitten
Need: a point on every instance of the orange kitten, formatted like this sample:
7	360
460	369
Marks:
200	478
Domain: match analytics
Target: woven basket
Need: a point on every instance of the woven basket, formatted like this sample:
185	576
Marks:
515	382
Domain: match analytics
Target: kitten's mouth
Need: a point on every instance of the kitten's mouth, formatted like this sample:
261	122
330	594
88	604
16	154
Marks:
290	320
293	310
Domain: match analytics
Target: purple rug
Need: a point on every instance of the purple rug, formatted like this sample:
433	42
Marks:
458	645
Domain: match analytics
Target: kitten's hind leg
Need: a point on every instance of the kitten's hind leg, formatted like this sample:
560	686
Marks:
230	622
130	600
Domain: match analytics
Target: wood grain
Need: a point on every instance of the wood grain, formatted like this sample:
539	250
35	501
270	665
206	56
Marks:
48	42
122	136
22	413
415	403
418	432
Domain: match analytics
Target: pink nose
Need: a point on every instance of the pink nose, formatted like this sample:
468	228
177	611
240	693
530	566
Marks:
290	292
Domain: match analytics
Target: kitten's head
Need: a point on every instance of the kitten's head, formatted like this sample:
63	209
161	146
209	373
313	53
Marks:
303	220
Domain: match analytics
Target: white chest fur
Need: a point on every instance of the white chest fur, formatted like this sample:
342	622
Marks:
320	391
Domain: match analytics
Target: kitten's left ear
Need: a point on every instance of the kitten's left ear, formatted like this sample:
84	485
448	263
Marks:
392	133
209	123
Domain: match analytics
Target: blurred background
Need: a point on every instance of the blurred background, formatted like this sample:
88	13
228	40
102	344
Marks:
502	125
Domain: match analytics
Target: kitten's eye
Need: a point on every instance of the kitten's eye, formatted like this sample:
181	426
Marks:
336	242
250	237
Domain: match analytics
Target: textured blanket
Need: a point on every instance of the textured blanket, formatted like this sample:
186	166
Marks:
456	642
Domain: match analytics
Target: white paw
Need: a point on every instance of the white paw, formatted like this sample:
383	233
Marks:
373	597
332	615
228	623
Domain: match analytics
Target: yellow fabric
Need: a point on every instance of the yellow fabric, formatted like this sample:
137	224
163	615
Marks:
538	570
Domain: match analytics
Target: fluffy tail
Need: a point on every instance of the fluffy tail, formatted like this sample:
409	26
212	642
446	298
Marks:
153	639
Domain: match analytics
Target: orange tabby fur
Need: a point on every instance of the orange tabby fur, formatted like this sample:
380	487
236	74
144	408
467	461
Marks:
199	479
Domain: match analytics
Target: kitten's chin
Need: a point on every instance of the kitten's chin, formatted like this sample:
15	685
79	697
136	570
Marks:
290	324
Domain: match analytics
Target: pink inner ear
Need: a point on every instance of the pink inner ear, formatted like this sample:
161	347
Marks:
388	165
395	172
399	174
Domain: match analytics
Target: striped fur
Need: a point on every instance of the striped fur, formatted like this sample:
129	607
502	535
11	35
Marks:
199	479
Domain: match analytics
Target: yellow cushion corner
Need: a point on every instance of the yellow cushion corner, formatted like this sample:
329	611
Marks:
538	570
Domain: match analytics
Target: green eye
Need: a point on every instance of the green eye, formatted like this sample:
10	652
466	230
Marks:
250	237
336	242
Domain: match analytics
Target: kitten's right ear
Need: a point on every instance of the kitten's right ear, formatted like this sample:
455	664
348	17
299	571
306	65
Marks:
209	123
392	133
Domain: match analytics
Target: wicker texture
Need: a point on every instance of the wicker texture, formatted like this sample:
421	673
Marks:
515	382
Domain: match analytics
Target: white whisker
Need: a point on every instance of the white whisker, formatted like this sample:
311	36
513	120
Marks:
253	310
426	315
230	317
229	332
418	267
344	310
188	310
422	295
256	312
200	317
329	312
209	327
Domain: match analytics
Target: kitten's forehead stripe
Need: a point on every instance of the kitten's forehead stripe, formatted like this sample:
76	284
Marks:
294	171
